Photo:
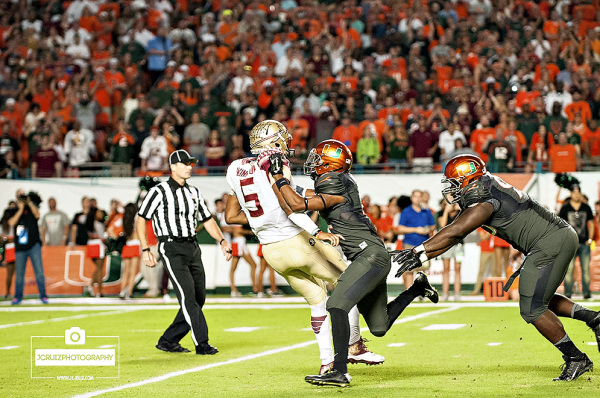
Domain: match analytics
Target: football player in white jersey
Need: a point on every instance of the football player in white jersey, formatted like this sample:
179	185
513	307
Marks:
292	243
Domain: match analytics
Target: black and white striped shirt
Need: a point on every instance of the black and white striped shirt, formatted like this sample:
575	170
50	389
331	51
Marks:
174	209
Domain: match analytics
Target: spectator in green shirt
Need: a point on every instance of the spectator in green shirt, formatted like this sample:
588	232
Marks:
367	149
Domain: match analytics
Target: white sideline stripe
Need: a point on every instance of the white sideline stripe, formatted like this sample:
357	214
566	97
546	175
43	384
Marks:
493	344
444	326
9	347
397	345
66	318
244	329
196	369
241	359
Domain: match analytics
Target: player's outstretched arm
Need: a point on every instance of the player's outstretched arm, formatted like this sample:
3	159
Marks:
467	221
234	213
291	197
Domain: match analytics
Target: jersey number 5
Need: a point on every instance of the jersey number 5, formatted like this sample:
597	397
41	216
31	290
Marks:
251	201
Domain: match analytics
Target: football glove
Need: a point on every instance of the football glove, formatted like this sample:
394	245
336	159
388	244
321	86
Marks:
276	166
407	260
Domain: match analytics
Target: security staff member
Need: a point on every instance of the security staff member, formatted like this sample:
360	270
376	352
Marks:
175	209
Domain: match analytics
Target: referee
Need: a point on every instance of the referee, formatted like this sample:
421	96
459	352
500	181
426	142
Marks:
175	209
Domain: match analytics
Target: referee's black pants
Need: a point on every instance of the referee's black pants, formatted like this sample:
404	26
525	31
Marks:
184	263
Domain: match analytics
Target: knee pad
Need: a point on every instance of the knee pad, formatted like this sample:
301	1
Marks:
378	333
529	314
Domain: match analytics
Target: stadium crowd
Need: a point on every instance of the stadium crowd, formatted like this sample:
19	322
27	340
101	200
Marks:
404	83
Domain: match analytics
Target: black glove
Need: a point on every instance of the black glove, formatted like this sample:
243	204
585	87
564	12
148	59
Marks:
407	259
276	166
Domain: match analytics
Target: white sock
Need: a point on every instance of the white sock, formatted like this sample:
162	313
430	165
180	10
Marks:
354	319
319	320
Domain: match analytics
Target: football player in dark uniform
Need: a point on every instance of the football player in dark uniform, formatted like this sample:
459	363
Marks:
363	283
548	242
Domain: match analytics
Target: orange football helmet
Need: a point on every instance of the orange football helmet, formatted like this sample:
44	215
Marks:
329	155
460	171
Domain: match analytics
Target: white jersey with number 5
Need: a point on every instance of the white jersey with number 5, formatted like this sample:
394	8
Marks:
256	197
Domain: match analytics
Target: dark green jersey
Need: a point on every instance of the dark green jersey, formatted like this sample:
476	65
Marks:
517	218
348	217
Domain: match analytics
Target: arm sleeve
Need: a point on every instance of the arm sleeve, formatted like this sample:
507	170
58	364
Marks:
150	203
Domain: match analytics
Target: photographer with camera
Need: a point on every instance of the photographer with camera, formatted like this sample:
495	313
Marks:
24	220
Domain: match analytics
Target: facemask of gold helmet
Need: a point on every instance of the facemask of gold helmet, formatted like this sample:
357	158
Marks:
270	134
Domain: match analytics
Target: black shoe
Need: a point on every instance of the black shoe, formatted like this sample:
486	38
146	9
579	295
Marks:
595	326
332	378
574	367
167	346
422	284
206	349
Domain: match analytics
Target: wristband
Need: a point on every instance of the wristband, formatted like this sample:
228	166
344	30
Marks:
221	242
305	204
420	250
146	249
281	182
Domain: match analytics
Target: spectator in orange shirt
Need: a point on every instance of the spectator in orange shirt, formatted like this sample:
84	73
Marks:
480	135
516	139
347	133
591	142
563	156
541	142
578	106
298	128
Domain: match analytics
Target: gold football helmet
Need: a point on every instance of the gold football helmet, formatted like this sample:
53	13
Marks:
270	134
460	171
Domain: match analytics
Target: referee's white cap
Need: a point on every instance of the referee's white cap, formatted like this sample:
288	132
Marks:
181	155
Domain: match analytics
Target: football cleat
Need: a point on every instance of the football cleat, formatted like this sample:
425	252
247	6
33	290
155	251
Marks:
595	326
425	287
206	349
326	368
574	367
167	346
359	353
332	378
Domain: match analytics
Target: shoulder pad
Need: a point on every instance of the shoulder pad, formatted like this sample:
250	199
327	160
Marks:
331	184
476	192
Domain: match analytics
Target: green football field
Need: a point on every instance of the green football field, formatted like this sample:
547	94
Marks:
266	349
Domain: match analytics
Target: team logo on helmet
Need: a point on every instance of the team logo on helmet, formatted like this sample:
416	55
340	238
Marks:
270	134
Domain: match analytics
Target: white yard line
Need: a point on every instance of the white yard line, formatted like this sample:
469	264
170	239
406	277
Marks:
66	318
243	359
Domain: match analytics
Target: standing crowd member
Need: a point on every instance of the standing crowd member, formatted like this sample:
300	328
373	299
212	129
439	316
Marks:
416	224
291	242
130	253
449	214
547	240
28	245
579	216
55	226
8	237
363	283
176	209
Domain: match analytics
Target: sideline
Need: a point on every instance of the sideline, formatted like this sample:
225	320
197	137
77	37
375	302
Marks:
243	359
10	325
